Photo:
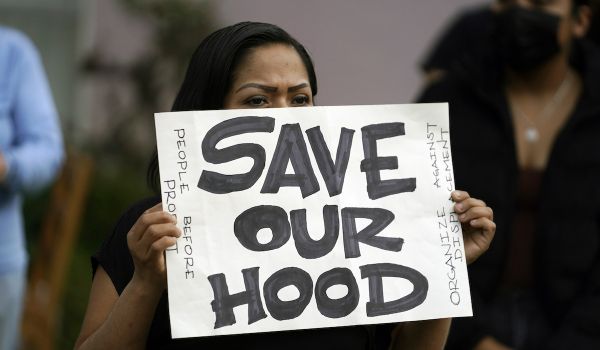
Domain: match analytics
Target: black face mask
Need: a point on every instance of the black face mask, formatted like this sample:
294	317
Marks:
526	38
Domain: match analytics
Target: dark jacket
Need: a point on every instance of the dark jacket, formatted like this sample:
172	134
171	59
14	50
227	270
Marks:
567	255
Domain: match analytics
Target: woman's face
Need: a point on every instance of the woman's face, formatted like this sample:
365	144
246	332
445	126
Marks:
270	76
570	26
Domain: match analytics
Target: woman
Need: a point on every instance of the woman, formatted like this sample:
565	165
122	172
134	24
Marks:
529	103
247	65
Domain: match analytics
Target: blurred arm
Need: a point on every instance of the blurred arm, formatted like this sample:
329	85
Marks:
490	343
36	154
421	335
3	168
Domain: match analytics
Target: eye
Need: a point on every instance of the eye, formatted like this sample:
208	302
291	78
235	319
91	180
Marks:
541	3
256	101
300	100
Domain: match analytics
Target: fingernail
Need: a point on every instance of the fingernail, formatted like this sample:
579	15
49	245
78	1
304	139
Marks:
474	222
462	217
459	207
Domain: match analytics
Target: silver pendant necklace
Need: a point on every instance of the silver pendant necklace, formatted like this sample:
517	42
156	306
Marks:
532	134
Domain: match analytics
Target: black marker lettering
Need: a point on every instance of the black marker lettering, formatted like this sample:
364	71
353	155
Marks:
290	276
219	183
291	148
333	173
305	245
336	308
377	306
224	302
372	163
381	218
248	223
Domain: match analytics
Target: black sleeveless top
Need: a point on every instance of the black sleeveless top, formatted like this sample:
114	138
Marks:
115	259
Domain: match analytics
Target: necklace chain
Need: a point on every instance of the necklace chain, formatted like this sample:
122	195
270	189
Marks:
532	133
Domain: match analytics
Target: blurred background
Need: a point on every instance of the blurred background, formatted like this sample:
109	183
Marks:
112	63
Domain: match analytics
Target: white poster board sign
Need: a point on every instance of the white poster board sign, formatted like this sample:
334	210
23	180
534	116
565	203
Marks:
311	217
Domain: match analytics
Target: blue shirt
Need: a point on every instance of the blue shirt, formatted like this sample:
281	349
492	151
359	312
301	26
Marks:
30	139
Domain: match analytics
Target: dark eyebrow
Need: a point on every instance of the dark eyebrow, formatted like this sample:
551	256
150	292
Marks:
258	86
271	88
297	87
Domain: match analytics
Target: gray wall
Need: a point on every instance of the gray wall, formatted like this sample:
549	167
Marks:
366	52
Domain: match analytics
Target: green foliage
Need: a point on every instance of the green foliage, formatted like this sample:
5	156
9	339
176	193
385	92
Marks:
110	194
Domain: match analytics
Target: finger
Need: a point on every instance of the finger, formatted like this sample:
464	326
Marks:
464	205
157	231
157	207
147	219
140	224
458	195
157	248
476	213
487	226
480	241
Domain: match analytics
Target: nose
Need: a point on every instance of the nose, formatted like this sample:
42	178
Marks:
281	102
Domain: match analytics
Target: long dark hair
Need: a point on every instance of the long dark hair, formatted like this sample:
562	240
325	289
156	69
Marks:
209	74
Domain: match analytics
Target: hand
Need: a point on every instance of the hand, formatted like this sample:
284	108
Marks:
153	232
3	167
477	224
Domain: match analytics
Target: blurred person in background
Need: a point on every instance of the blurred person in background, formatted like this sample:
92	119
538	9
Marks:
243	66
594	32
31	153
528	103
472	28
